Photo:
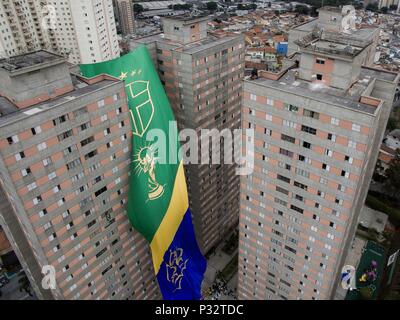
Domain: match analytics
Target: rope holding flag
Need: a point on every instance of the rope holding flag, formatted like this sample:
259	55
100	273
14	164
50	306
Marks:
158	205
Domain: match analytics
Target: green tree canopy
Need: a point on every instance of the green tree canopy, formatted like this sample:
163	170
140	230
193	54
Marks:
384	9
393	175
302	9
138	8
212	6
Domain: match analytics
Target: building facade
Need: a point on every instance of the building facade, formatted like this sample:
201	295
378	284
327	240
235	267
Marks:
64	170
318	123
331	21
202	75
84	31
125	15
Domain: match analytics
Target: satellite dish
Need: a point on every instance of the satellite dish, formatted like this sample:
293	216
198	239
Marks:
349	19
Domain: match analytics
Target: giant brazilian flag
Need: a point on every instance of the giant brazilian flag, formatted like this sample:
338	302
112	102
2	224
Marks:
158	201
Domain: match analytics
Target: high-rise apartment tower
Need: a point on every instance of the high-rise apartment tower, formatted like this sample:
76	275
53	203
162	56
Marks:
203	78
84	30
318	123
64	170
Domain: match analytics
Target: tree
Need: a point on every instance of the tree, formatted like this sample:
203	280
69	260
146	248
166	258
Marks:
384	9
24	284
392	124
393	175
372	7
252	6
212	6
393	7
302	9
138	8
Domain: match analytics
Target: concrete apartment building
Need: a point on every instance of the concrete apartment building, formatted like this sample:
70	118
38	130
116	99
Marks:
64	167
203	78
318	122
330	21
125	16
84	31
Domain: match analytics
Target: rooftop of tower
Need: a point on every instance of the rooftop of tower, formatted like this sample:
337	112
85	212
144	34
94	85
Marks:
190	48
287	80
189	18
30	61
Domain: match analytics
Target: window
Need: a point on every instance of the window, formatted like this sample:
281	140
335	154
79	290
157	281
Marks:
356	127
320	61
348	159
270	101
286	152
281	190
328	152
344	174
285	137
51	175
326	166
267	131
91	154
19	156
293	207
291	108
41	146
302	172
87	141
60	119
32	186
253	97
116	97
65	135
311	114
26	171
36	130
306	145
37	200
46	161
71	165
352	144
289	124
283	178
12	139
42	213
300	185
84	126
304	159
332	137
308	130
335	121
100	103
268	117
319	76
103	118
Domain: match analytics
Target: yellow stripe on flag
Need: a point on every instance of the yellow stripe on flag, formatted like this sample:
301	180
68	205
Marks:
169	225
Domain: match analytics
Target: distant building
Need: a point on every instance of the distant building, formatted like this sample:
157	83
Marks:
64	175
126	16
392	140
84	31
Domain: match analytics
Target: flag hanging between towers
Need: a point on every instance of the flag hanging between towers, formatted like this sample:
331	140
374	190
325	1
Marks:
158	204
